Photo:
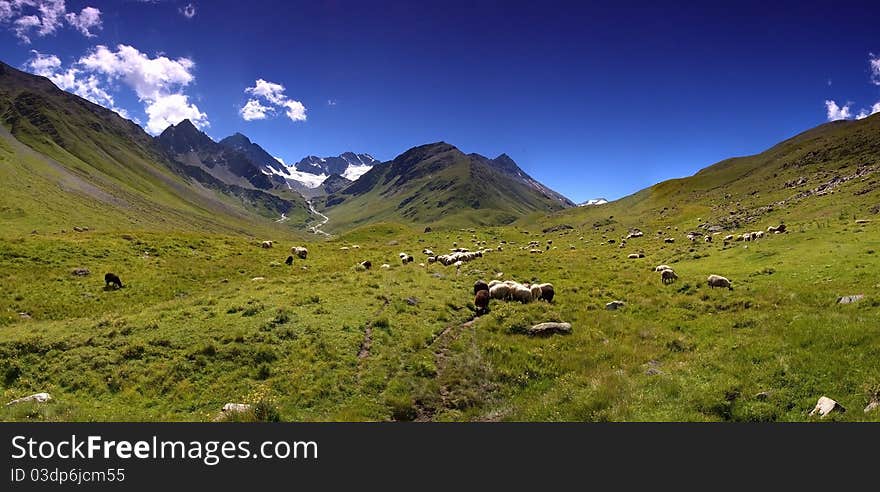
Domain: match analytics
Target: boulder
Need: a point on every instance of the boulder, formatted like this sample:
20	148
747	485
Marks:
825	406
36	398
550	328
850	299
236	407
614	305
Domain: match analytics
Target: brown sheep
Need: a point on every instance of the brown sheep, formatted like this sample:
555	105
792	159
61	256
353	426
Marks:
481	301
547	292
668	276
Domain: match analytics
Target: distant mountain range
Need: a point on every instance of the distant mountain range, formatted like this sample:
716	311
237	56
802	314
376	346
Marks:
432	184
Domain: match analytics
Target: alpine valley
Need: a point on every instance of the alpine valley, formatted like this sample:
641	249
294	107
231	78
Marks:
343	288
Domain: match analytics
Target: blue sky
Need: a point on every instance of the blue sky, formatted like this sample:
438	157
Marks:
592	100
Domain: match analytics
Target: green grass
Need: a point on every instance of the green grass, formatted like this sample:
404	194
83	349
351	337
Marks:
191	330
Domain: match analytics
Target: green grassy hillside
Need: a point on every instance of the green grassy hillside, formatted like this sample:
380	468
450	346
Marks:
67	162
437	184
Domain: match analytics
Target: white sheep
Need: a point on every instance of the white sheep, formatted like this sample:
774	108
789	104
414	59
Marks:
522	294
719	281
499	291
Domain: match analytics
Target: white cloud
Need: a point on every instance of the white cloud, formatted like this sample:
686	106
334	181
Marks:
874	62
87	19
295	110
43	17
158	82
189	11
171	109
331	102
273	95
868	112
835	112
254	110
87	86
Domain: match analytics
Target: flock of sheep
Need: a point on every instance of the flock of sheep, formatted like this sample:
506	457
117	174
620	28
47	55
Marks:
509	290
668	275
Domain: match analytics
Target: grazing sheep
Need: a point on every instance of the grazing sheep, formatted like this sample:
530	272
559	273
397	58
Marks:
759	234
493	283
289	261
669	240
386	266
480	285
668	276
728	238
633	256
300	252
547	292
660	268
481	301
536	291
266	244
708	239
499	291
112	280
776	230
719	281
367	264
521	293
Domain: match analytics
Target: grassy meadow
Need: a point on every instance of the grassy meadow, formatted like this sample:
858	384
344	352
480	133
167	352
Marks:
208	319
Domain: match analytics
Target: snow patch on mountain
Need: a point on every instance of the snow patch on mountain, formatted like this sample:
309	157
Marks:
594	201
354	171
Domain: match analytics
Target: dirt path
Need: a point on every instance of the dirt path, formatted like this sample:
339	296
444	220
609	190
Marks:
316	229
364	351
441	346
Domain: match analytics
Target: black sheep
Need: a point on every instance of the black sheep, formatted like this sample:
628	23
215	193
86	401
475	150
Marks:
480	285
289	261
112	280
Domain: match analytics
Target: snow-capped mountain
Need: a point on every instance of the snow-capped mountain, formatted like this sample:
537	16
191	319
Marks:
349	165
594	201
307	175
